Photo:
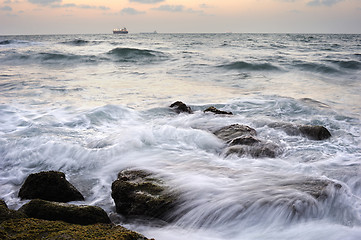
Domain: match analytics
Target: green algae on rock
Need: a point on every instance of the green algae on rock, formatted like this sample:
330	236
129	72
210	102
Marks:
6	213
30	228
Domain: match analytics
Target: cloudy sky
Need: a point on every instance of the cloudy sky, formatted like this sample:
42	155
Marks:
243	16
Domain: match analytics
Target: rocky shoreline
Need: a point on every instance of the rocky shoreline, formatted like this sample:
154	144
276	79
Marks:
138	193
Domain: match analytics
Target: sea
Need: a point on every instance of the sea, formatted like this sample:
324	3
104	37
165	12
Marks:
93	105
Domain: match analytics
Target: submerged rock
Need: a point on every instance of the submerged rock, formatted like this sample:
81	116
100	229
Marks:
6	213
256	150
83	215
138	193
51	186
180	107
309	131
31	228
217	111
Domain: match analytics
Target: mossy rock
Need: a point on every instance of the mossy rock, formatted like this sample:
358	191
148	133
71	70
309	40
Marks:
70	213
51	186
139	193
6	213
30	228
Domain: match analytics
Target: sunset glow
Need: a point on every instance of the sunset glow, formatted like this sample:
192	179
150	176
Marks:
66	16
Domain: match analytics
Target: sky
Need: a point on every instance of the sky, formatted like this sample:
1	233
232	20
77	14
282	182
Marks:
179	16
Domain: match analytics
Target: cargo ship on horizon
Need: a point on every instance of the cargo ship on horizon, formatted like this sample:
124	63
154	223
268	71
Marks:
120	31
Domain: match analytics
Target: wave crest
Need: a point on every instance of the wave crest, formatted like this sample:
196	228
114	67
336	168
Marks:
134	54
240	65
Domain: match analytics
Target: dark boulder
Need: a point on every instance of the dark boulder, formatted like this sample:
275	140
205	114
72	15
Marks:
217	111
180	107
139	193
312	132
6	213
51	186
233	131
83	215
315	132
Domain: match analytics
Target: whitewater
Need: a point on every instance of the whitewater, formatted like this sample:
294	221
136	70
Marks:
93	105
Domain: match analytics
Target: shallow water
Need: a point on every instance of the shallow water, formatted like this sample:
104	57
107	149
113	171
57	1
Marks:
92	105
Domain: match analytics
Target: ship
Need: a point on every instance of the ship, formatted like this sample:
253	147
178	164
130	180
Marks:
120	31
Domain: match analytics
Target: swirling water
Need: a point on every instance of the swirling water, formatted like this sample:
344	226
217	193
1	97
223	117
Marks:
92	105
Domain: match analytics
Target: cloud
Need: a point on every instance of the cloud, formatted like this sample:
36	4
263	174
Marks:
177	8
6	8
147	1
203	5
323	2
131	11
170	8
44	2
82	6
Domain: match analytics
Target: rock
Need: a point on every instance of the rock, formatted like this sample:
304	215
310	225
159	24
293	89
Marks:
42	229
51	186
6	213
241	140
244	140
217	111
138	193
256	150
233	131
316	188
309	131
83	215
315	132
180	107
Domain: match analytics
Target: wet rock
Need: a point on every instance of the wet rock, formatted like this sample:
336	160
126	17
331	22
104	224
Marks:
233	131
6	213
83	215
42	229
309	131
244	140
257	150
241	140
217	111
180	107
317	188
51	186
315	132
138	193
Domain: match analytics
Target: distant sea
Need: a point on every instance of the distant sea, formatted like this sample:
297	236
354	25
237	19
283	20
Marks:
92	105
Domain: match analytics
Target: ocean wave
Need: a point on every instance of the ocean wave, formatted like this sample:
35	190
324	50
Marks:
46	58
134	54
353	65
5	42
80	42
240	65
315	67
